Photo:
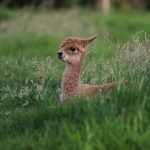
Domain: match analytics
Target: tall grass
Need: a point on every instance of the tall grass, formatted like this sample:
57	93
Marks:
31	115
30	109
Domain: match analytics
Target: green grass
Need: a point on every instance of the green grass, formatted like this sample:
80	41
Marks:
31	116
6	14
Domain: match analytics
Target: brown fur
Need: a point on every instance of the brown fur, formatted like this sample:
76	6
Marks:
73	52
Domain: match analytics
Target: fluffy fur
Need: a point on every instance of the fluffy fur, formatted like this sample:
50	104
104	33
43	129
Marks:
72	52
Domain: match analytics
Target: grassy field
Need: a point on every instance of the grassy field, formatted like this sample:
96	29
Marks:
31	116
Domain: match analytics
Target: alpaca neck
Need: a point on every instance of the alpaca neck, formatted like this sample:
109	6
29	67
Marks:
71	77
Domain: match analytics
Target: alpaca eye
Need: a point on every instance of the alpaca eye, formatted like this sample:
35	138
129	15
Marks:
72	49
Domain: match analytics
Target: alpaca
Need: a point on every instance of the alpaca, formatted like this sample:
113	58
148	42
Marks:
72	51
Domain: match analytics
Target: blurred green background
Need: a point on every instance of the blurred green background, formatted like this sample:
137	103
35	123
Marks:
32	26
36	28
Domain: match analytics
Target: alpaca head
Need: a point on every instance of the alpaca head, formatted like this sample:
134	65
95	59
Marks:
73	49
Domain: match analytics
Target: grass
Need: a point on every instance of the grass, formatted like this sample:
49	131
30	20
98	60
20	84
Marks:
31	116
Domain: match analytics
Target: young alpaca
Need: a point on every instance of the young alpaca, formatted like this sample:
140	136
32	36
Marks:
72	52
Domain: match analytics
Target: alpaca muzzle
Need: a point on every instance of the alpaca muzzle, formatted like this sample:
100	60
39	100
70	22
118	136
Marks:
60	55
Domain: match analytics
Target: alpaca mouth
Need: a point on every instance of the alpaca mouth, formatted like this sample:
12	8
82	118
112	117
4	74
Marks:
61	57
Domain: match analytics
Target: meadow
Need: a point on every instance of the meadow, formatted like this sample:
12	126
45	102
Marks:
31	115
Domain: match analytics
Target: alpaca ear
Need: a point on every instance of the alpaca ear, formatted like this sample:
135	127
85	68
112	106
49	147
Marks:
86	42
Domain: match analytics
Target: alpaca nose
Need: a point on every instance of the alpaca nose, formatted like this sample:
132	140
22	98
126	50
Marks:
60	54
